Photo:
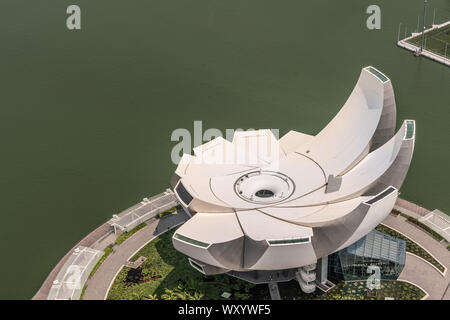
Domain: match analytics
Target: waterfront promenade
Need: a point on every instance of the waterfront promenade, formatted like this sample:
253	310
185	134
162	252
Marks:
416	271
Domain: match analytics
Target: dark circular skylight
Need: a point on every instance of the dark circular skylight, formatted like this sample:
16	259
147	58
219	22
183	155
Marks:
264	193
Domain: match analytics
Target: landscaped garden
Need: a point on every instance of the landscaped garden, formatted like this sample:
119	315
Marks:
354	290
166	274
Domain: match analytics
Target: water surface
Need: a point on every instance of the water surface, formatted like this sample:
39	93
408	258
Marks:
86	116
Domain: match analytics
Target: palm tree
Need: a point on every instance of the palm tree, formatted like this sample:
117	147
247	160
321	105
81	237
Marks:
168	295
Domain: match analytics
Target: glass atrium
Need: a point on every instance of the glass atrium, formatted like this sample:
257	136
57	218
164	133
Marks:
375	249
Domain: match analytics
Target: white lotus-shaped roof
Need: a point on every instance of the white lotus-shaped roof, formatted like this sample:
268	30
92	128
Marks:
260	203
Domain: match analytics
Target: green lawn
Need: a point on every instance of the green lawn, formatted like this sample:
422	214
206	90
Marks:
171	271
435	40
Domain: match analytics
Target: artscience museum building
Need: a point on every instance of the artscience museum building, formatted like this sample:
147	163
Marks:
265	209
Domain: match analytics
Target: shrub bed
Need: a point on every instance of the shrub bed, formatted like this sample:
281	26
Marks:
108	250
169	211
124	236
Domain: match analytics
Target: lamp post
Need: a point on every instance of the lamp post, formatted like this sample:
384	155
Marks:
423	27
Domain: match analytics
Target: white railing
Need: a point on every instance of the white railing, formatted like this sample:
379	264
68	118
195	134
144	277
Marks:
438	222
430	55
143	211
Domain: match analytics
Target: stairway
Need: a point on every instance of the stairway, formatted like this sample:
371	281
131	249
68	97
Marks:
306	277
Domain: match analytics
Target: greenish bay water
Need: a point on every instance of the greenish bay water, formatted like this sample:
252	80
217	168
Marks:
86	116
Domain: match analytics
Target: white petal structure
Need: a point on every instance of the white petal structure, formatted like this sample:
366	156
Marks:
259	203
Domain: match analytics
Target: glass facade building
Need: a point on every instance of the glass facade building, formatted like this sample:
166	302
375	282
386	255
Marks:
375	249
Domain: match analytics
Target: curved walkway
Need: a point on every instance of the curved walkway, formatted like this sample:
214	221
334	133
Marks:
98	286
95	236
417	270
420	273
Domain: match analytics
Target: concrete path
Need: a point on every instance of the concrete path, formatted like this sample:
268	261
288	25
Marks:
418	271
422	274
98	286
